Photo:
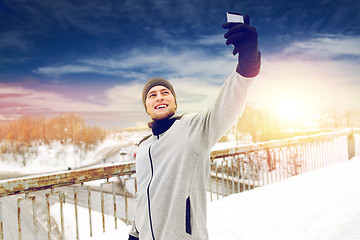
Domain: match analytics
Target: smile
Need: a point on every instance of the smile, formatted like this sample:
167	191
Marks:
161	106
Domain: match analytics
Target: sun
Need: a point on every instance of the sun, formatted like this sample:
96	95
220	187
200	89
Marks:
289	109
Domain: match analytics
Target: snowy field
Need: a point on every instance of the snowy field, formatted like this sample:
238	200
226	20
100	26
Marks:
323	204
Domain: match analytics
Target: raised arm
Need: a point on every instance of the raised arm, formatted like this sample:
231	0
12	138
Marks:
208	127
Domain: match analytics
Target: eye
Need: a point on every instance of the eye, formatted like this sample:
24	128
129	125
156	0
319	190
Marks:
151	95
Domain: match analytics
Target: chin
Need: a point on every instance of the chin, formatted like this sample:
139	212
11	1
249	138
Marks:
163	116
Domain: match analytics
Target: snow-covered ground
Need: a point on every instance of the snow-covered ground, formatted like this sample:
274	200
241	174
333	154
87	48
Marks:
84	230
55	156
323	204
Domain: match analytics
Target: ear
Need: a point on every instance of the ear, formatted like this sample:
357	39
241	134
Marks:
146	109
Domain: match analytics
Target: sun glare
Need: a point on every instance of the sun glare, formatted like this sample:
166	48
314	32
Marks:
289	109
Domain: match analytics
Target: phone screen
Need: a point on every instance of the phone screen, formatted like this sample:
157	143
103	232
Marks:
234	17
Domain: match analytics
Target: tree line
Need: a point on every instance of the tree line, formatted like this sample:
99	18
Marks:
66	128
262	125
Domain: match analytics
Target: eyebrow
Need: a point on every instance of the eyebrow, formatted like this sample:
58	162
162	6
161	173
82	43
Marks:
161	90
150	92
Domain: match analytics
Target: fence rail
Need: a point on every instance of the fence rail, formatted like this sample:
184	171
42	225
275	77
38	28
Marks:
245	167
110	189
42	191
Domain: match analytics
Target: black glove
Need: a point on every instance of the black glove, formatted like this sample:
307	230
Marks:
132	238
245	41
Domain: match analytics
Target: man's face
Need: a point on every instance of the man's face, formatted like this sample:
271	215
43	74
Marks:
160	103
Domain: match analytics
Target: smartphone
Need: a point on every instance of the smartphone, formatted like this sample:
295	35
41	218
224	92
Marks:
234	17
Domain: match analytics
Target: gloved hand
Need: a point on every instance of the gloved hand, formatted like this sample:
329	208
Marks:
245	41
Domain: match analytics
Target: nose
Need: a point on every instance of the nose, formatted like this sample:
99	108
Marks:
159	97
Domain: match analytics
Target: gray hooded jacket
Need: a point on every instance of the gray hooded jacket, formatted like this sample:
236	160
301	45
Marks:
172	169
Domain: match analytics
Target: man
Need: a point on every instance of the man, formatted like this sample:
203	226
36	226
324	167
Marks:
172	165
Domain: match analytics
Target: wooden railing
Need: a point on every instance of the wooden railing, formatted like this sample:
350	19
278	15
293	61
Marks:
103	189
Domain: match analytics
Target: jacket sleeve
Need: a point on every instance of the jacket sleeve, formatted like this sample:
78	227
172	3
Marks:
208	127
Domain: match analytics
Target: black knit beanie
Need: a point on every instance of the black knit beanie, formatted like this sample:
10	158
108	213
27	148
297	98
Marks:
156	81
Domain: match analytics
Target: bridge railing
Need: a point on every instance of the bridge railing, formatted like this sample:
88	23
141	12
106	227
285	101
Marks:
39	204
245	167
105	189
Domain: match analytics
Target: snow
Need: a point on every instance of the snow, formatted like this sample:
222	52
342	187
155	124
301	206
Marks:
224	145
122	231
57	156
323	204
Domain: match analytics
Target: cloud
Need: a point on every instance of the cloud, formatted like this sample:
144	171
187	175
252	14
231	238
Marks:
120	107
4	96
326	46
125	98
65	69
139	65
13	40
194	95
97	18
336	57
319	73
211	40
3	118
23	98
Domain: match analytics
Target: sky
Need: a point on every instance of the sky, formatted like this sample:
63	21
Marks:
93	57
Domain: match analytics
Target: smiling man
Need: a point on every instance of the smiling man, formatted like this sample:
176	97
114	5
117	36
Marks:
159	98
172	164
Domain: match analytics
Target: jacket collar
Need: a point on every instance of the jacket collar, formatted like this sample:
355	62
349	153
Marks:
158	127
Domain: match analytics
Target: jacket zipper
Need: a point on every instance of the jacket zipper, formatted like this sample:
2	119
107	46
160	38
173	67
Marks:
148	194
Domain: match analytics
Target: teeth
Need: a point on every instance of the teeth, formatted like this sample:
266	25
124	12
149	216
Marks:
161	106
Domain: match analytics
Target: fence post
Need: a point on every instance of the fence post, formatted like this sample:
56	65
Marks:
351	145
1	223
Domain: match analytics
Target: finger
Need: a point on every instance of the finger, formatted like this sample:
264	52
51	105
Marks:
239	45
243	47
240	37
234	30
247	19
229	25
235	38
239	28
